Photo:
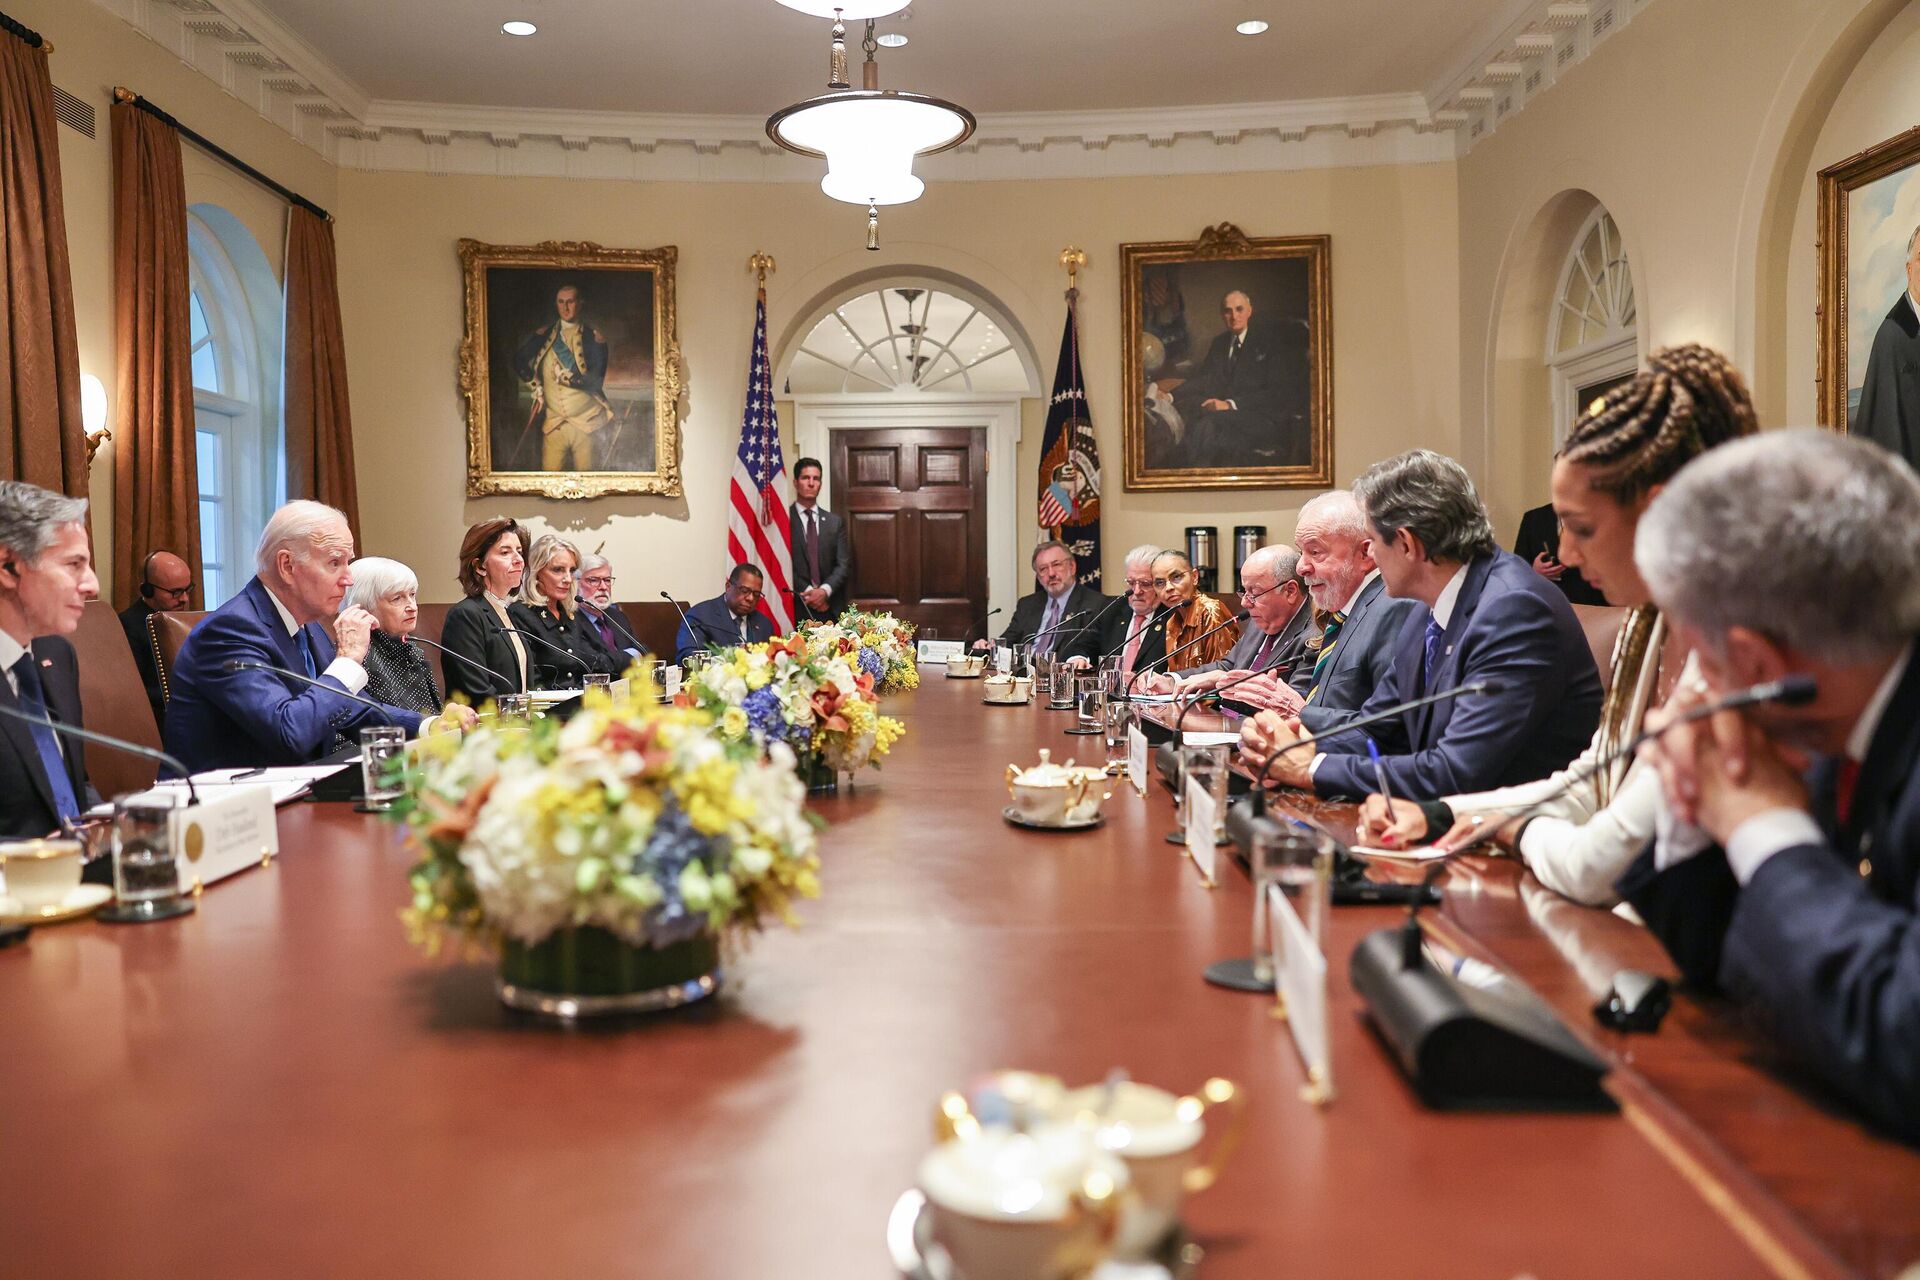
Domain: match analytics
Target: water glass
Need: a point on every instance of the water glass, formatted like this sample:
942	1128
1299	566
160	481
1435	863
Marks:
1208	767
596	680
145	873
383	750
1300	860
1092	701
1023	660
1110	677
1119	720
515	708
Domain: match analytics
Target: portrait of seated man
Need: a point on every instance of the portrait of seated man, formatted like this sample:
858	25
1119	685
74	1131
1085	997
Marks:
1245	403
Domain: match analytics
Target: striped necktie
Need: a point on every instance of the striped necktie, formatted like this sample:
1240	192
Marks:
1329	637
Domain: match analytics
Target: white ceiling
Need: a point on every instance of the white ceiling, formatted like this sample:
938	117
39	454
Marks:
993	56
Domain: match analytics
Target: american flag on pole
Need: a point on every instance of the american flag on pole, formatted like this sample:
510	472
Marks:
1069	481
759	494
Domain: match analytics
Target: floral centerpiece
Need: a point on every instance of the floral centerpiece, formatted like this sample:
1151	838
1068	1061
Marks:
607	857
812	699
879	643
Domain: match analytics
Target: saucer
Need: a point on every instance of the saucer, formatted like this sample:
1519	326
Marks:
83	901
1012	815
916	1256
961	675
1007	702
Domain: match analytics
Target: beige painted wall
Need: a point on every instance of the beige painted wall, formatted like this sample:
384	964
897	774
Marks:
1706	163
93	52
1396	362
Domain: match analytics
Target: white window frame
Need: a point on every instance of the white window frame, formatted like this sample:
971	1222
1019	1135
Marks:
1611	355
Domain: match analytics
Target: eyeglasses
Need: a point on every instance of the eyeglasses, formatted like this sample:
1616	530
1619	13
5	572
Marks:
1045	565
1175	578
747	593
1139	584
598	580
171	591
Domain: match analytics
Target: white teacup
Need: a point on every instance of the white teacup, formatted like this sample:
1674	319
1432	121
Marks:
966	664
1023	1206
1158	1135
41	873
1008	688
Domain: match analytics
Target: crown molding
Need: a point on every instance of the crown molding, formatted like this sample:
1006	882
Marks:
259	60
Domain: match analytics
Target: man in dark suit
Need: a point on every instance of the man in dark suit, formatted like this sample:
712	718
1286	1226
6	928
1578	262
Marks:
731	618
220	717
1276	632
822	554
1047	618
166	583
1796	891
1889	412
1538	543
1135	633
46	579
1488	616
1247	402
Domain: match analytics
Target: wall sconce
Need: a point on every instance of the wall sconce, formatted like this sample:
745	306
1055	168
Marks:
93	413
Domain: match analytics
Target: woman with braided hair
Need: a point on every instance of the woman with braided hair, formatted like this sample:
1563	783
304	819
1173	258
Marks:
1579	828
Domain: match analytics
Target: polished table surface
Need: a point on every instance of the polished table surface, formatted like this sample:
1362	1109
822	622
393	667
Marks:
280	1084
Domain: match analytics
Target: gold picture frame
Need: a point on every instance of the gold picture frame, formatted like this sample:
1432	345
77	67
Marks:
617	378
1842	259
1193	441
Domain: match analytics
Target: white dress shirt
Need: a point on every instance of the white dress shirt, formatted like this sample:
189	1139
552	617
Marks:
11	651
345	670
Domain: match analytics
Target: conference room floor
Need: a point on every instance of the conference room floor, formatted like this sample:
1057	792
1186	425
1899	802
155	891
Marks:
280	1084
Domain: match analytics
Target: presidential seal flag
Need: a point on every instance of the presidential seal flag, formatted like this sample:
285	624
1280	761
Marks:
759	491
1070	460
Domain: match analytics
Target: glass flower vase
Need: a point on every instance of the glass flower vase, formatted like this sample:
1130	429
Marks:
589	972
821	778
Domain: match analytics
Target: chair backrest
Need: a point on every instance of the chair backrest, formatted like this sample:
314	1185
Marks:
1602	623
113	699
655	622
432	621
169	631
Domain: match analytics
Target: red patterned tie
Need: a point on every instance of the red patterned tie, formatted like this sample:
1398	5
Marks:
1133	643
1844	782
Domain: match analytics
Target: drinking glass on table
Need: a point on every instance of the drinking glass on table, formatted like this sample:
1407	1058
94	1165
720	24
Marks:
1119	719
515	708
1092	701
596	680
1300	860
383	749
1208	767
146	874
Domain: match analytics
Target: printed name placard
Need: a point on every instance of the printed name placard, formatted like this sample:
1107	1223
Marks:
1300	984
1198	812
1003	659
673	679
219	837
1137	758
939	651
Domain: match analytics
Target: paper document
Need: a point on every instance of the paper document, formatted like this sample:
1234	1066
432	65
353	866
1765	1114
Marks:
1209	738
1420	853
1151	699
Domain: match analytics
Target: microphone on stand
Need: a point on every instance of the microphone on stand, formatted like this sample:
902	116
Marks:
1089	622
240	664
1055	628
546	644
1214	693
107	740
477	666
613	614
1385	713
1237	618
698	630
978	623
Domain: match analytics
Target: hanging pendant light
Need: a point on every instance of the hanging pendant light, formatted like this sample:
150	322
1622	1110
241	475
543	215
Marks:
868	136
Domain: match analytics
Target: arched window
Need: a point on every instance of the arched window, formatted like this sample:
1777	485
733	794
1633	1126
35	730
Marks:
1593	334
906	337
234	326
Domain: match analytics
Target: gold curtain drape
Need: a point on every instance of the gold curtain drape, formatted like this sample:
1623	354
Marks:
156	494
42	439
319	425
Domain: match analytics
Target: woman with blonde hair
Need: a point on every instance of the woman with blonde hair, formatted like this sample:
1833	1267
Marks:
547	611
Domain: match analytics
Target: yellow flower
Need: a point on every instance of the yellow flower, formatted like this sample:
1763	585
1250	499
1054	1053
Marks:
733	723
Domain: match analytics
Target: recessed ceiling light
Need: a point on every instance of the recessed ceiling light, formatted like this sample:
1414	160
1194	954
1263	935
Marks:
891	40
1251	27
517	28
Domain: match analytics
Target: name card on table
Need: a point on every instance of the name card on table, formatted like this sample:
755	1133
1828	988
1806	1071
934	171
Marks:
673	679
1137	758
1300	986
1198	810
225	835
1003	658
938	651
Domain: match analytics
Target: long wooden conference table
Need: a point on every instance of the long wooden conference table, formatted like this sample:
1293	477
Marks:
280	1085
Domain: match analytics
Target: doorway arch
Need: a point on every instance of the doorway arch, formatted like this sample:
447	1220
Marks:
916	347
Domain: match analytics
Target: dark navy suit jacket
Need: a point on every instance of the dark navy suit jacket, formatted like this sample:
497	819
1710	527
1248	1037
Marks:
1362	653
218	718
27	808
1509	624
714	624
1829	958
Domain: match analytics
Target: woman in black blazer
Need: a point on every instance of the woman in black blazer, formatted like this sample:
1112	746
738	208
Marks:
484	660
546	609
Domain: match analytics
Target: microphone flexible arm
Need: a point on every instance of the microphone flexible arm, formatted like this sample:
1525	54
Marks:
460	657
1213	693
698	630
107	740
1089	622
241	664
980	622
1385	713
1239	617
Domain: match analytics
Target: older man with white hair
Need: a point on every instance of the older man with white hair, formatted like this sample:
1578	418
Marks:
1788	869
46	579
229	706
1135	634
593	593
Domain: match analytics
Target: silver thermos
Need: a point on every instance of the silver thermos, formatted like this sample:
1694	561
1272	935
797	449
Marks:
1203	548
1247	539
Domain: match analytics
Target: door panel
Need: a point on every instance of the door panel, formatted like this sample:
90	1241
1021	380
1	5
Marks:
916	502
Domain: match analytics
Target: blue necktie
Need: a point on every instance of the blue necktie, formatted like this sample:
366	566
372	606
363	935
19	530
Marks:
1043	642
45	741
1434	633
313	672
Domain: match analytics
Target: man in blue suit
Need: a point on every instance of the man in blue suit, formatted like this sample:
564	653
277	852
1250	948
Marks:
219	717
1489	617
1796	890
729	619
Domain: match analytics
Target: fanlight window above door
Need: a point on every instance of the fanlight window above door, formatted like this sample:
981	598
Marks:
1595	300
906	338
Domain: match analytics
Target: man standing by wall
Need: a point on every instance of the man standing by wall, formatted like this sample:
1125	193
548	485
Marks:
822	556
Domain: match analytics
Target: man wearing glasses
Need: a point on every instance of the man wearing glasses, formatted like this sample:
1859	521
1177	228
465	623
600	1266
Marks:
166	584
1274	638
730	619
1136	634
593	593
1051	618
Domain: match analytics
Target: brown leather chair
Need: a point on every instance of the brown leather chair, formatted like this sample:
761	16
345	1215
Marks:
168	631
432	621
655	622
1602	623
114	700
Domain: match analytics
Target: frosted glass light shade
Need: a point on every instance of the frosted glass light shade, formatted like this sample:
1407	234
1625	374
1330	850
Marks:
850	10
869	138
93	404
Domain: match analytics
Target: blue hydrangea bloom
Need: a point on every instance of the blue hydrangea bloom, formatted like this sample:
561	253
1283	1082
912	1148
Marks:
764	717
871	664
672	846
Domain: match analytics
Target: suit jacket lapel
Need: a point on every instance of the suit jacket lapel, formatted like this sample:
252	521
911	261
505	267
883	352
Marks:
20	734
1432	720
1889	768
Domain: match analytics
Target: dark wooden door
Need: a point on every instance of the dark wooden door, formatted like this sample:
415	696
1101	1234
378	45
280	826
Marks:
915	503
